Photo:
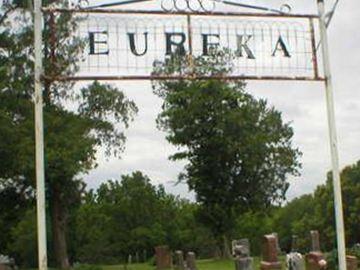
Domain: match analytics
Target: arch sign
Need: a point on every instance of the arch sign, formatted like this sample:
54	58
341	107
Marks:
126	44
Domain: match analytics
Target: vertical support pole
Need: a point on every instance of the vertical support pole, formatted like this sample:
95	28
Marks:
340	232
39	138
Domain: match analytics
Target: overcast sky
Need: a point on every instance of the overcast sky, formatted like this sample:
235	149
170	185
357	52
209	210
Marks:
302	104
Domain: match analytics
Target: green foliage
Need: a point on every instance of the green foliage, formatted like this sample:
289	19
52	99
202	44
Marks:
254	225
24	245
316	212
238	149
133	216
296	218
332	260
76	122
355	251
13	207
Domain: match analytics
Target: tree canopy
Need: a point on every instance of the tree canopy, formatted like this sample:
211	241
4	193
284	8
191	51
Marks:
77	122
238	148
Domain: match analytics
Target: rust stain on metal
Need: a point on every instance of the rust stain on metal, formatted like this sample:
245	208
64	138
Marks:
313	46
52	38
159	12
185	77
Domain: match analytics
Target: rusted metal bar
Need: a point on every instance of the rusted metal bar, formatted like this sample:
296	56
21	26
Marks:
193	13
163	78
313	48
189	29
52	39
190	54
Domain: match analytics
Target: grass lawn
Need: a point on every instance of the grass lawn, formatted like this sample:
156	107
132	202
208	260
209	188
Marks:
201	265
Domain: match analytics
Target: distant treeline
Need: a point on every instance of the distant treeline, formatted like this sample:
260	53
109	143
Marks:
131	216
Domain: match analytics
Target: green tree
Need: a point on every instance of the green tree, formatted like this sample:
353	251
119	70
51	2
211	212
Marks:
72	136
121	218
132	216
254	225
316	212
24	245
14	202
295	218
239	151
324	207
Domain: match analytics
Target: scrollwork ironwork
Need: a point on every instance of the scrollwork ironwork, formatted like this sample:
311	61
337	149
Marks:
188	5
79	4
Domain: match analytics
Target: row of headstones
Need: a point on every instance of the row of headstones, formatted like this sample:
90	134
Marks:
314	260
137	258
164	259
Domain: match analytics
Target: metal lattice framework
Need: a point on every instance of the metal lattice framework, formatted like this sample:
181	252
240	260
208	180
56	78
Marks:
126	44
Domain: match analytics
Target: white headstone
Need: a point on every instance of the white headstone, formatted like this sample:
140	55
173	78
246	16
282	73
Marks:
295	261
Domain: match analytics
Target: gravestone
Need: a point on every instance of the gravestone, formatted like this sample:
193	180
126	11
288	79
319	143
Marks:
241	253
179	260
241	247
163	257
351	263
4	267
294	243
277	241
269	253
6	263
315	259
315	241
294	260
144	255
191	261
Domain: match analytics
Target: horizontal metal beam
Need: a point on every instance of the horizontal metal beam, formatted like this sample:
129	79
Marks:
159	12
164	78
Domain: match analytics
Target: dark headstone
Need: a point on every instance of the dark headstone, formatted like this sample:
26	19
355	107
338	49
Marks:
277	241
244	263
191	261
179	260
269	253
163	257
144	255
315	241
315	260
294	243
4	267
351	263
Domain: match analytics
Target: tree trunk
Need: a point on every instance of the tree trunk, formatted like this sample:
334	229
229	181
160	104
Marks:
59	221
226	248
217	252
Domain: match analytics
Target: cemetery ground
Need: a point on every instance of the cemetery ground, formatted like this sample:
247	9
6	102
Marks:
209	264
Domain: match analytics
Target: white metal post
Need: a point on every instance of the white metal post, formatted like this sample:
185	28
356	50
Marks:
39	139
340	232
